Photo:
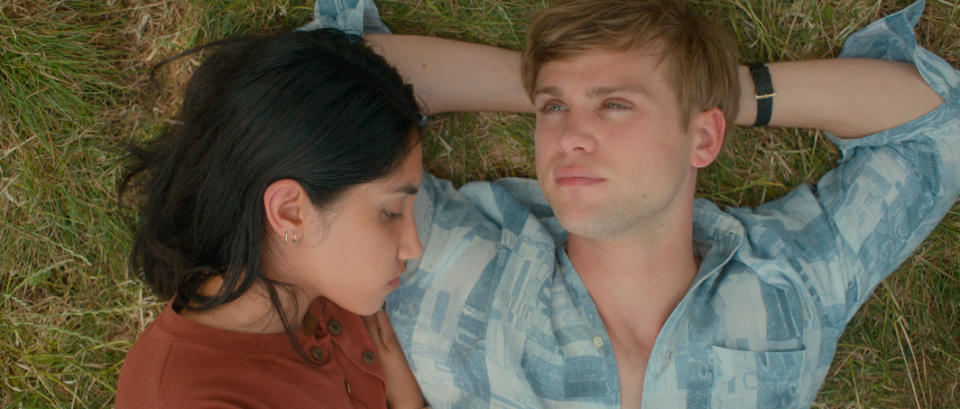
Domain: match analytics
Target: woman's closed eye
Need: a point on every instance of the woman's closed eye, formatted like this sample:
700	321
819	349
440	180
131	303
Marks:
390	215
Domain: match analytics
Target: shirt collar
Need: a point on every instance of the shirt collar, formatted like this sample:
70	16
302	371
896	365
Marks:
716	238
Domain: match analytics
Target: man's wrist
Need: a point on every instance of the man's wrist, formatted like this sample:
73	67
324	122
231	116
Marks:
763	92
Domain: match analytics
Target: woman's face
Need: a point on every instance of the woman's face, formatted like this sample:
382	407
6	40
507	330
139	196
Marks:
354	251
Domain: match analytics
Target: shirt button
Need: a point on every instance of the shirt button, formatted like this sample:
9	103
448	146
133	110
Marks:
334	327
347	386
369	358
597	342
317	354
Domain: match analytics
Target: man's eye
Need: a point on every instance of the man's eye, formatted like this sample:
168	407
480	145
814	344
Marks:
552	108
614	105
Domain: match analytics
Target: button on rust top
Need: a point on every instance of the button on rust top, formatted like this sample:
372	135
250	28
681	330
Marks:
334	327
369	358
317	354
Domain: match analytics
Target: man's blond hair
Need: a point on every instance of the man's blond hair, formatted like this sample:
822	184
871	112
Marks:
701	57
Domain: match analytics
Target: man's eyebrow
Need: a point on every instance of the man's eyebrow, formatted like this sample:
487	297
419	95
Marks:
596	92
407	189
552	91
604	91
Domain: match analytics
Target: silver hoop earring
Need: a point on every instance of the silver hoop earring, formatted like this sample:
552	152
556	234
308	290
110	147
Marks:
285	241
295	238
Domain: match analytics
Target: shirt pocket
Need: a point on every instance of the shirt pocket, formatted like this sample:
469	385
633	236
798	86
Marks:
751	379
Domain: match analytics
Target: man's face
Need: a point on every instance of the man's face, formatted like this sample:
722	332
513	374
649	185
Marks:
612	155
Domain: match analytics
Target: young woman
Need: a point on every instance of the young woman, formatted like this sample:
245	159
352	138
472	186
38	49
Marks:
276	215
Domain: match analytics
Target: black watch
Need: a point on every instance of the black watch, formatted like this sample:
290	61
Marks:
764	92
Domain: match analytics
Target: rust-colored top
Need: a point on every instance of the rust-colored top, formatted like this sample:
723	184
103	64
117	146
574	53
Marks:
178	363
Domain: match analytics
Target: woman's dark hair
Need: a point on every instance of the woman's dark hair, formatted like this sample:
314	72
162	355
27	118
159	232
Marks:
316	107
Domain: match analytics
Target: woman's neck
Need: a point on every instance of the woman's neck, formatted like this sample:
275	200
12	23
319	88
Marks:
251	312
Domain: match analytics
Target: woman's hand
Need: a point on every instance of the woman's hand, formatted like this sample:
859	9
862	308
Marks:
403	392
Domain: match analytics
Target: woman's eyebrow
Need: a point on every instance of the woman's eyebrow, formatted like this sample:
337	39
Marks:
407	188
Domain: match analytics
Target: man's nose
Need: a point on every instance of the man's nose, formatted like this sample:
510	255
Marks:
578	134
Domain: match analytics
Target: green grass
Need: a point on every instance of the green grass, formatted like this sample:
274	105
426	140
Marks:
73	86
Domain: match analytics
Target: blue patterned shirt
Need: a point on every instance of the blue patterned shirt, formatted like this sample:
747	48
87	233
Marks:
494	315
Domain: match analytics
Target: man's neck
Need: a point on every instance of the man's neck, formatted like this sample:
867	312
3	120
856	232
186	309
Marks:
649	271
635	285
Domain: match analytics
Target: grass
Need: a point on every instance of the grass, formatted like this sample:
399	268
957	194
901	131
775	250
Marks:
73	86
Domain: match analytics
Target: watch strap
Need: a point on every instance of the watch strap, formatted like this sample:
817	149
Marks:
763	86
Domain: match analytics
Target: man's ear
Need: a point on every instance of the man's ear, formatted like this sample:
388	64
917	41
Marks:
708	128
284	202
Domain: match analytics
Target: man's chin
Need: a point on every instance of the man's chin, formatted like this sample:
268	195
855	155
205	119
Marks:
579	221
593	223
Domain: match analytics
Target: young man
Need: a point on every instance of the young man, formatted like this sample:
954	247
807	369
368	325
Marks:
607	284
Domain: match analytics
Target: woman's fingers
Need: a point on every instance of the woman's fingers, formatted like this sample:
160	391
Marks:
402	388
373	328
387	336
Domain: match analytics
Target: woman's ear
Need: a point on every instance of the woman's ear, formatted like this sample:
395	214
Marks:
708	129
285	203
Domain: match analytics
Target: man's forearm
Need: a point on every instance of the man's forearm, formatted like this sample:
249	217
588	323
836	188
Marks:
847	97
450	75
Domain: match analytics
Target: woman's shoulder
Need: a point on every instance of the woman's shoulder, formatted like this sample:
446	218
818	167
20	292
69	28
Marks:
179	363
143	368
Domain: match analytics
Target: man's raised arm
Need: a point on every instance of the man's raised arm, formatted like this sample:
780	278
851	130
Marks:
847	97
450	75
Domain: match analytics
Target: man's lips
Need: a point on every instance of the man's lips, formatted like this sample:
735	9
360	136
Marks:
576	176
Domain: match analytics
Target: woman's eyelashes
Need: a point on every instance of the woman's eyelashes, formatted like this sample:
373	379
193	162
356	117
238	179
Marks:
390	215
